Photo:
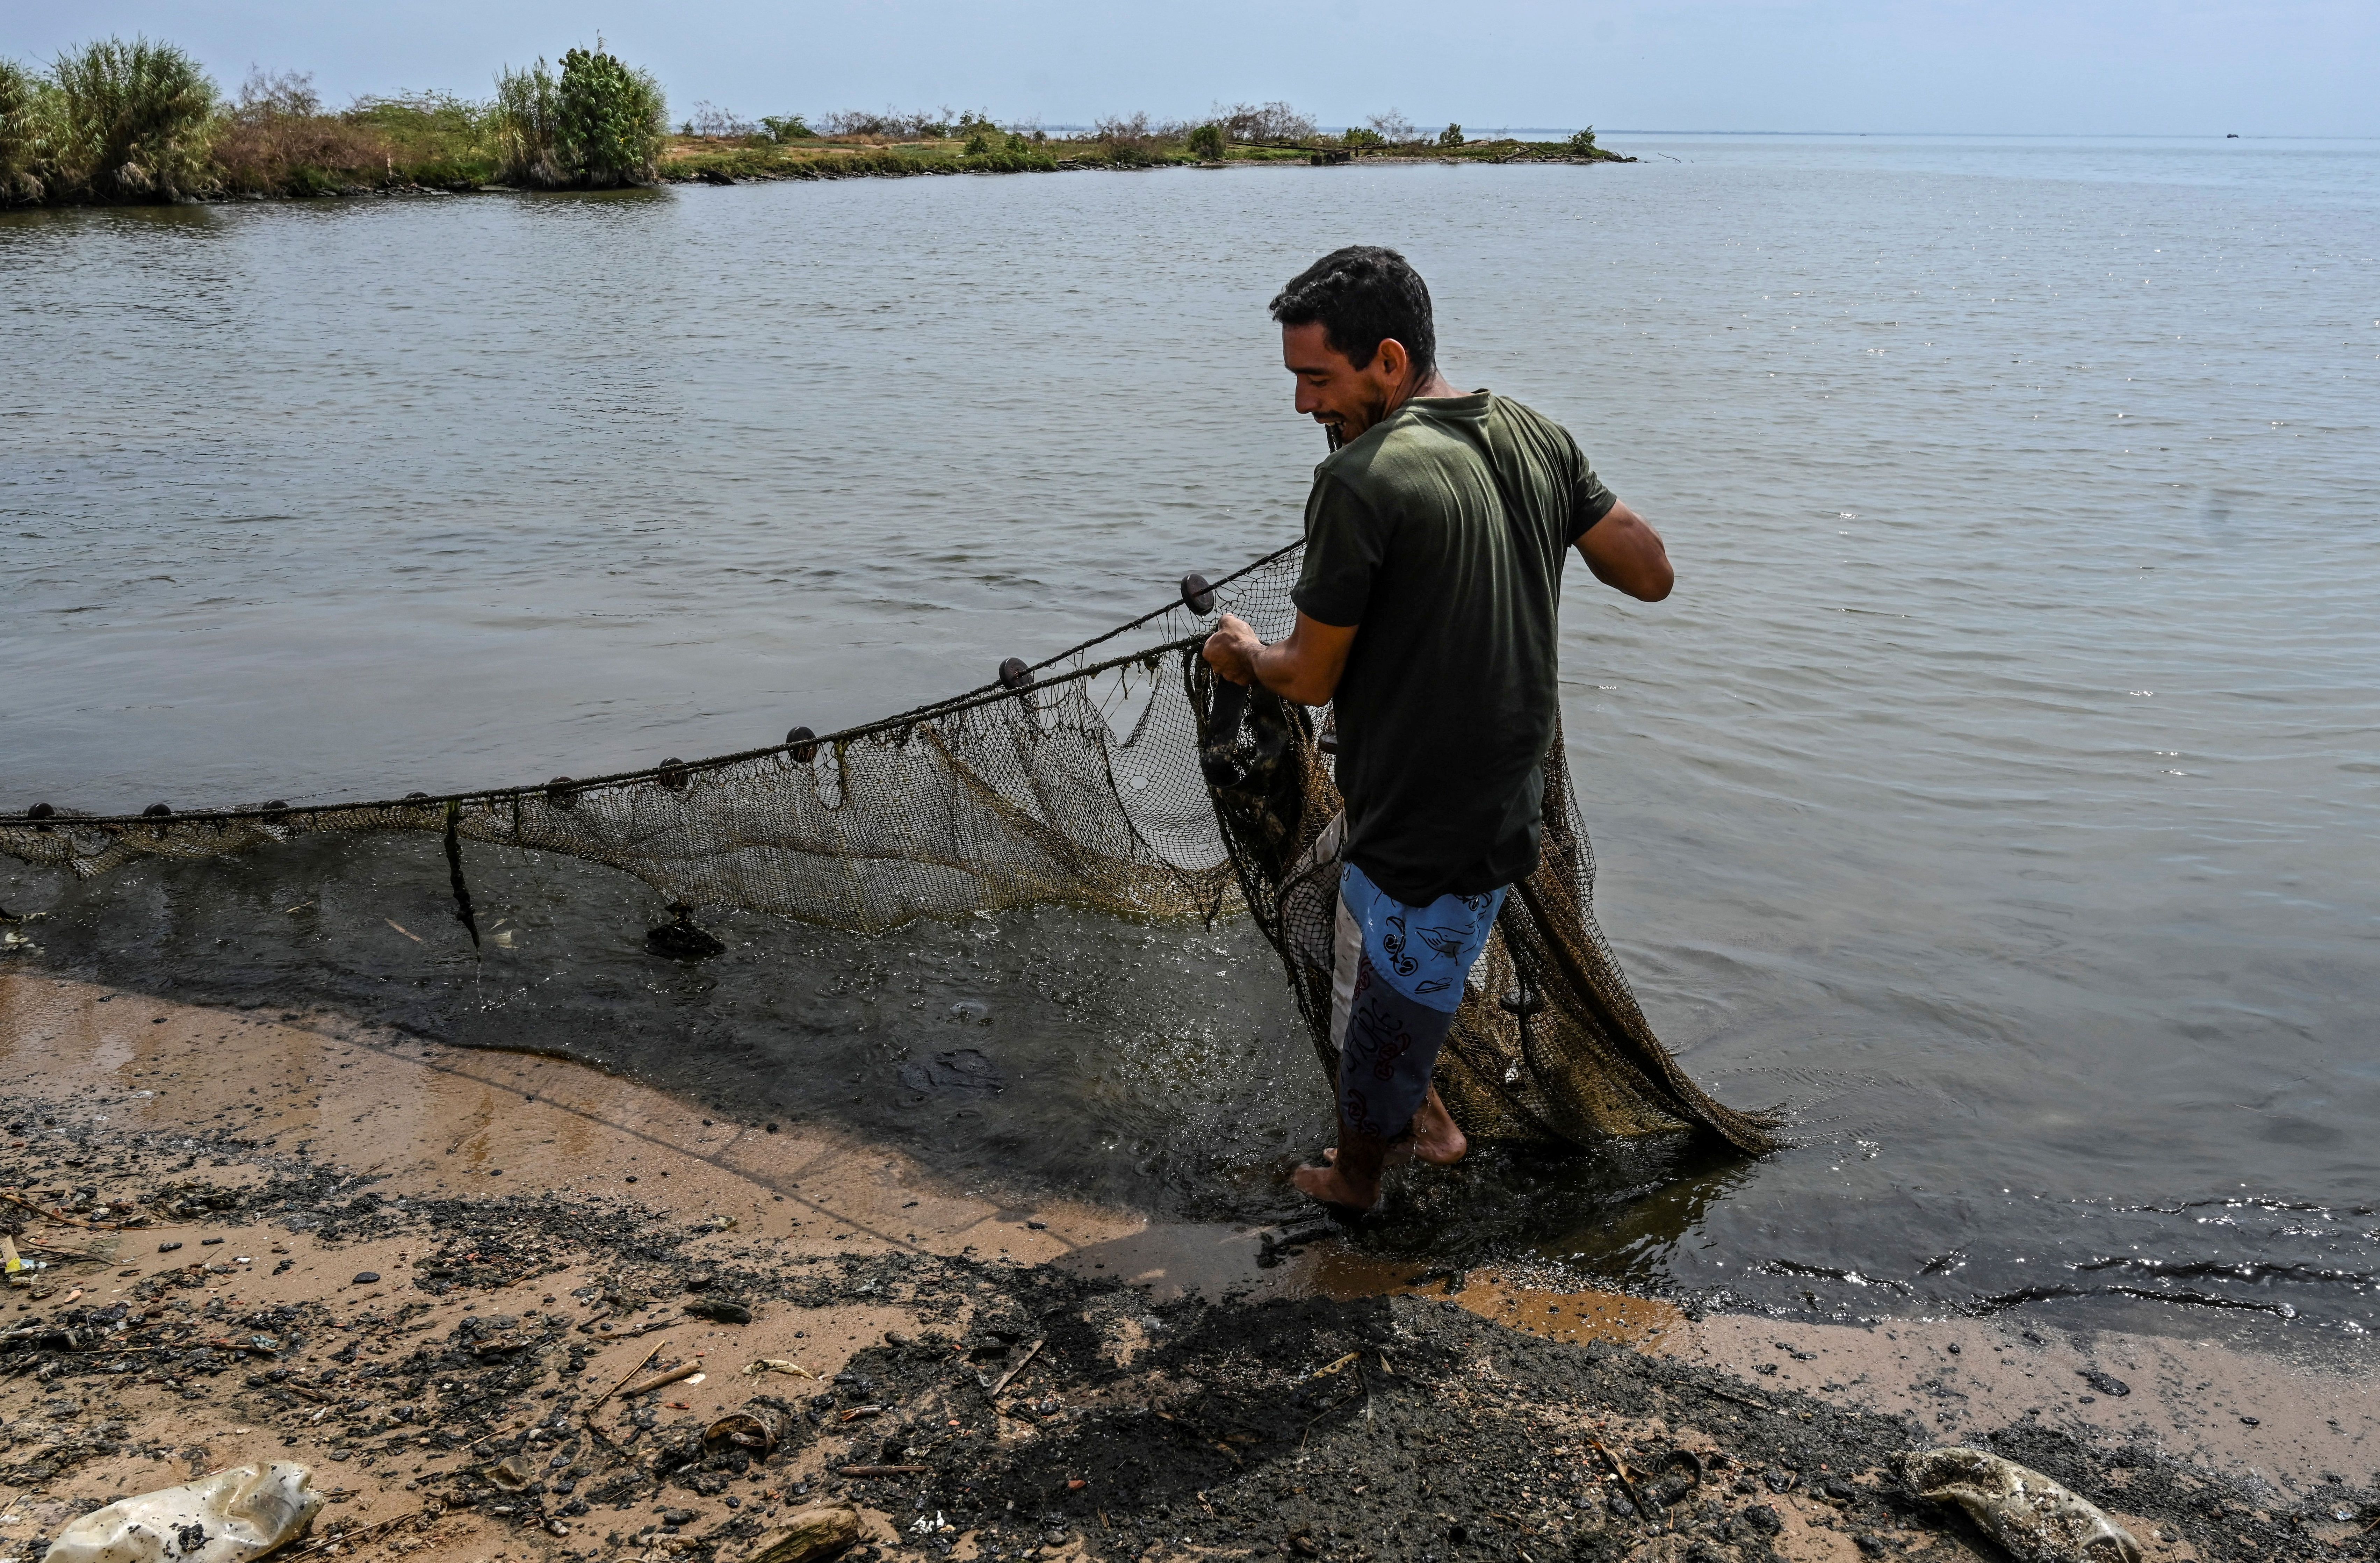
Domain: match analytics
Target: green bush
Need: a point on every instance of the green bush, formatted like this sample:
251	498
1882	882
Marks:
132	122
1450	137
1583	142
1206	143
27	103
783	127
613	120
979	143
598	125
1360	140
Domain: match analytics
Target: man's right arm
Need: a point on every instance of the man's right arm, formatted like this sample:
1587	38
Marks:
1626	554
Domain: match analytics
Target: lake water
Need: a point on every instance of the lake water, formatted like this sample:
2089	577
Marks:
1998	791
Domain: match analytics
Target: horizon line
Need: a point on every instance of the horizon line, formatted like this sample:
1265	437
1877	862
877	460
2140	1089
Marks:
1912	135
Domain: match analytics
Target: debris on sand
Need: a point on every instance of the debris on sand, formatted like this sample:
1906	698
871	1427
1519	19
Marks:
2035	1518
229	1517
807	1535
526	1380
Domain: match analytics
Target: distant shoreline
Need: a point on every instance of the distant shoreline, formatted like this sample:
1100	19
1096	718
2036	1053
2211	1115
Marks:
695	161
691	160
141	122
740	166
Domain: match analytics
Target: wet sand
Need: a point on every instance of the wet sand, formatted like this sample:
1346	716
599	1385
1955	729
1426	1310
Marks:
587	1213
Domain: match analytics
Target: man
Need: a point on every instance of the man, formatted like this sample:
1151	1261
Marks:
1435	538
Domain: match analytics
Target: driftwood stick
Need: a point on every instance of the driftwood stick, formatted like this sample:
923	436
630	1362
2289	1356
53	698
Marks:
1022	1363
632	1373
659	1379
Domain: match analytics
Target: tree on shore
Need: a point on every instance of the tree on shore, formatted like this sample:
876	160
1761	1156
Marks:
598	125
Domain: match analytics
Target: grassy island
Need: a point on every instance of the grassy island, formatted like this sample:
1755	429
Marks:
851	146
717	161
118	122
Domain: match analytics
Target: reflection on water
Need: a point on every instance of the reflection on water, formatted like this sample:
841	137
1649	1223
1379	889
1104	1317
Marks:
1998	791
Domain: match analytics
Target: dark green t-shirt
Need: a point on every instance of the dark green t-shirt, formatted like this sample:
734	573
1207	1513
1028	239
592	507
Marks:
1450	694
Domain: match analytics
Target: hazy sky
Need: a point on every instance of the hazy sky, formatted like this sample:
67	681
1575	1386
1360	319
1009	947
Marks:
2303	67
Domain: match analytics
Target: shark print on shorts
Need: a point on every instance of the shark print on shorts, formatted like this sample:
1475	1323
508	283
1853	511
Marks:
1397	979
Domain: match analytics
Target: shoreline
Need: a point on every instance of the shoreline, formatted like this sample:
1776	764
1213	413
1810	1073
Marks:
736	165
721	163
143	123
585	1206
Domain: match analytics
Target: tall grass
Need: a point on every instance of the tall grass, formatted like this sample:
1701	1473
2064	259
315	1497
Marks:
526	121
597	125
133	121
114	121
26	111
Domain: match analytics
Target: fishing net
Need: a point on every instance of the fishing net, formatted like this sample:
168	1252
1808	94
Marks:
1082	779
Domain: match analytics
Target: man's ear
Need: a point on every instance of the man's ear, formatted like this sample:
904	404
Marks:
1393	360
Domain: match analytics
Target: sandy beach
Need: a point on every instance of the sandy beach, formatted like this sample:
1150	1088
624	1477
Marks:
424	1271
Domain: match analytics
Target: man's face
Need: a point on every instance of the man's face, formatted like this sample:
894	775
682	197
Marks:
1335	393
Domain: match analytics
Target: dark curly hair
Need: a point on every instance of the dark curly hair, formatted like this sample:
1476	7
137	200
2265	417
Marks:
1363	295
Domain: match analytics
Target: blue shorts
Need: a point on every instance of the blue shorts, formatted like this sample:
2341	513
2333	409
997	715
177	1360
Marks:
1397	975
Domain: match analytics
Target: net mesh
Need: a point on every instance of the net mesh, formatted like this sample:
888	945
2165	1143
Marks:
1078	781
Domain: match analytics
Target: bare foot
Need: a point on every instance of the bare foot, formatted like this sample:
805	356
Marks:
1334	1187
1399	1152
1435	1137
